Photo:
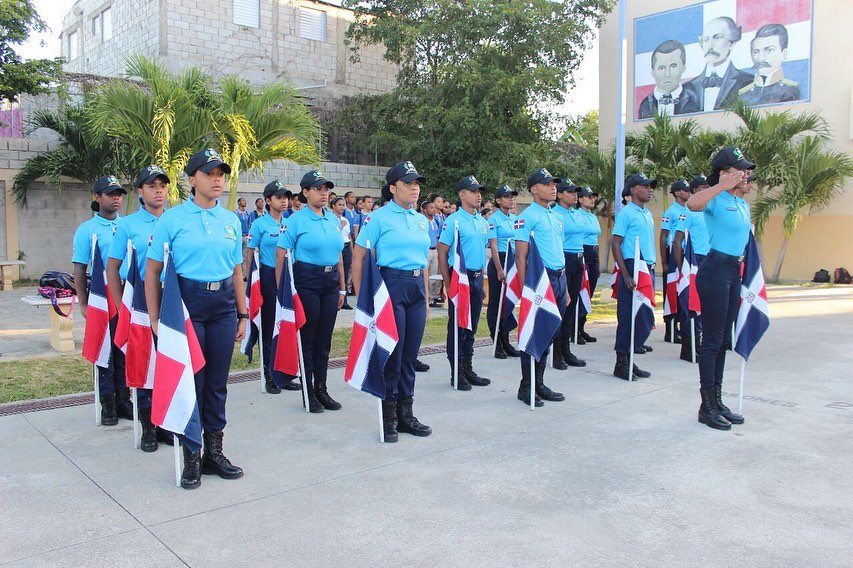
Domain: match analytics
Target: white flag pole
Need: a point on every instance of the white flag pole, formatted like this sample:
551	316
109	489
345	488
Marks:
133	393
500	315
381	421
577	319
95	375
299	345
260	332
633	308
740	390
533	383
693	338
177	452
455	315
622	47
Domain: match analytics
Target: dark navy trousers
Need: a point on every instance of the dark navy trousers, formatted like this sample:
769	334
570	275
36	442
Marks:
466	336
685	315
495	287
558	283
718	284
319	291
214	317
268	293
408	297
574	281
593	270
111	379
624	314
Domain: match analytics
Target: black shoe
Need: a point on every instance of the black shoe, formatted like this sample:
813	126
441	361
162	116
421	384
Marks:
436	304
271	387
191	475
346	306
322	393
124	407
586	337
507	344
580	340
545	393
421	367
406	421
164	436
500	352
464	385
640	373
389	421
524	396
108	410
314	405
558	362
569	357
148	443
723	409
708	412
293	385
214	461
471	375
621	369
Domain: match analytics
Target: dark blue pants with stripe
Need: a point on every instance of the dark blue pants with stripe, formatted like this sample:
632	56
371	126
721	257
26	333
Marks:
466	336
624	314
495	287
574	281
318	291
214	317
408	298
558	283
718	284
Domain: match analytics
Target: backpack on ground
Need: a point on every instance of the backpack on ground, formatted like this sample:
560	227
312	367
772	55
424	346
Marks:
842	276
821	275
53	285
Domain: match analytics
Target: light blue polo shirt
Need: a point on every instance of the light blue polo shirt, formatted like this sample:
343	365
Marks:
694	224
673	215
634	221
82	243
474	234
139	228
314	239
573	229
728	220
263	235
400	237
592	226
205	244
502	228
547	228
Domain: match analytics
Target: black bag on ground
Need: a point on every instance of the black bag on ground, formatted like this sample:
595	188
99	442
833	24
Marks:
821	275
53	285
842	276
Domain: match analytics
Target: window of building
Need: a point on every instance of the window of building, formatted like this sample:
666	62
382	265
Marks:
312	24
247	13
72	46
96	26
107	23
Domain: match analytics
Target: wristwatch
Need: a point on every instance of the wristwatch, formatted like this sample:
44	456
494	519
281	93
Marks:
242	316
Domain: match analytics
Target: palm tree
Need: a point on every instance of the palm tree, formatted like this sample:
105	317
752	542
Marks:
598	171
811	178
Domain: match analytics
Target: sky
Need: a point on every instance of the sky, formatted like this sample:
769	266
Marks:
583	98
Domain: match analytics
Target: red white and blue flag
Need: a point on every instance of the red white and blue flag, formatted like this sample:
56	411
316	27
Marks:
254	301
374	333
585	296
174	406
289	318
124	310
512	292
753	317
688	296
614	282
133	332
460	289
643	301
670	290
540	315
97	345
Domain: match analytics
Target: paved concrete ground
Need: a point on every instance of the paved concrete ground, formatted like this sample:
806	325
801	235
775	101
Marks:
620	474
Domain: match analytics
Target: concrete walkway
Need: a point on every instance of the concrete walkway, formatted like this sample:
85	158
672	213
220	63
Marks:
618	475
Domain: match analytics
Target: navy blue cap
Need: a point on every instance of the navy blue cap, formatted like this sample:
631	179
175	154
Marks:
586	192
107	184
698	182
638	179
541	176
567	185
470	183
276	188
731	157
505	191
148	174
206	161
315	178
404	171
679	185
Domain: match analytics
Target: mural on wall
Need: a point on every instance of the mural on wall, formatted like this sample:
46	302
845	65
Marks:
699	58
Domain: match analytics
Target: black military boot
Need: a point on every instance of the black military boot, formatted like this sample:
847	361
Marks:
640	373
621	369
500	352
322	394
406	421
314	405
271	387
686	351
164	436
508	348
389	421
292	385
583	336
569	357
558	354
709	414
214	461
191	476
148	443
723	409
542	391
464	385
471	375
108	410
524	388
124	407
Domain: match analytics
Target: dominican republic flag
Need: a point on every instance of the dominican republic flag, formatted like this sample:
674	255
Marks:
670	290
124	310
133	332
753	316
254	301
540	315
688	296
585	297
97	348
374	333
173	404
614	281
289	318
644	302
512	293
687	24
460	290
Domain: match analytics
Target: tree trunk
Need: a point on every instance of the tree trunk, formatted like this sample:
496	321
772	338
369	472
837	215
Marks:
780	259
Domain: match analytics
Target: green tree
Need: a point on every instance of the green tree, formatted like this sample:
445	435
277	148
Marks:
19	19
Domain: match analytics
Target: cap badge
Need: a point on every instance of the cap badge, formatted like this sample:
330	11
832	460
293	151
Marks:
738	154
212	155
410	168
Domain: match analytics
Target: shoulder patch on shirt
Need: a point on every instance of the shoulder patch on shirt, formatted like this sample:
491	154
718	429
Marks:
519	223
366	220
230	233
491	226
682	217
665	219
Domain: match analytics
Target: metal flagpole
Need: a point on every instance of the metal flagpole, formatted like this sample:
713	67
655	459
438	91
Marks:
175	441
740	390
633	306
299	345
381	421
500	316
133	393
577	319
95	375
693	338
456	315
260	331
532	383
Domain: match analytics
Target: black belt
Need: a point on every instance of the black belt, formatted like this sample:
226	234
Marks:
209	286
396	272
727	257
591	247
315	267
575	254
431	248
474	273
555	273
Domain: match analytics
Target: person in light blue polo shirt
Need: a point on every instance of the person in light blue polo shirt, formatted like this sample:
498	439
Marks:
574	229
108	195
633	222
545	227
473	236
718	281
313	234
205	245
675	214
501	234
586	200
152	187
400	237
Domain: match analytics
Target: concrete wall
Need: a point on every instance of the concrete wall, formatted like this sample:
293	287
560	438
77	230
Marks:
816	243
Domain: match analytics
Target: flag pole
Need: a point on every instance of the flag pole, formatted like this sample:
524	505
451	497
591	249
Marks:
133	392
577	319
693	338
740	390
175	441
260	330
378	400
500	316
95	374
633	310
299	345
533	383
455	317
